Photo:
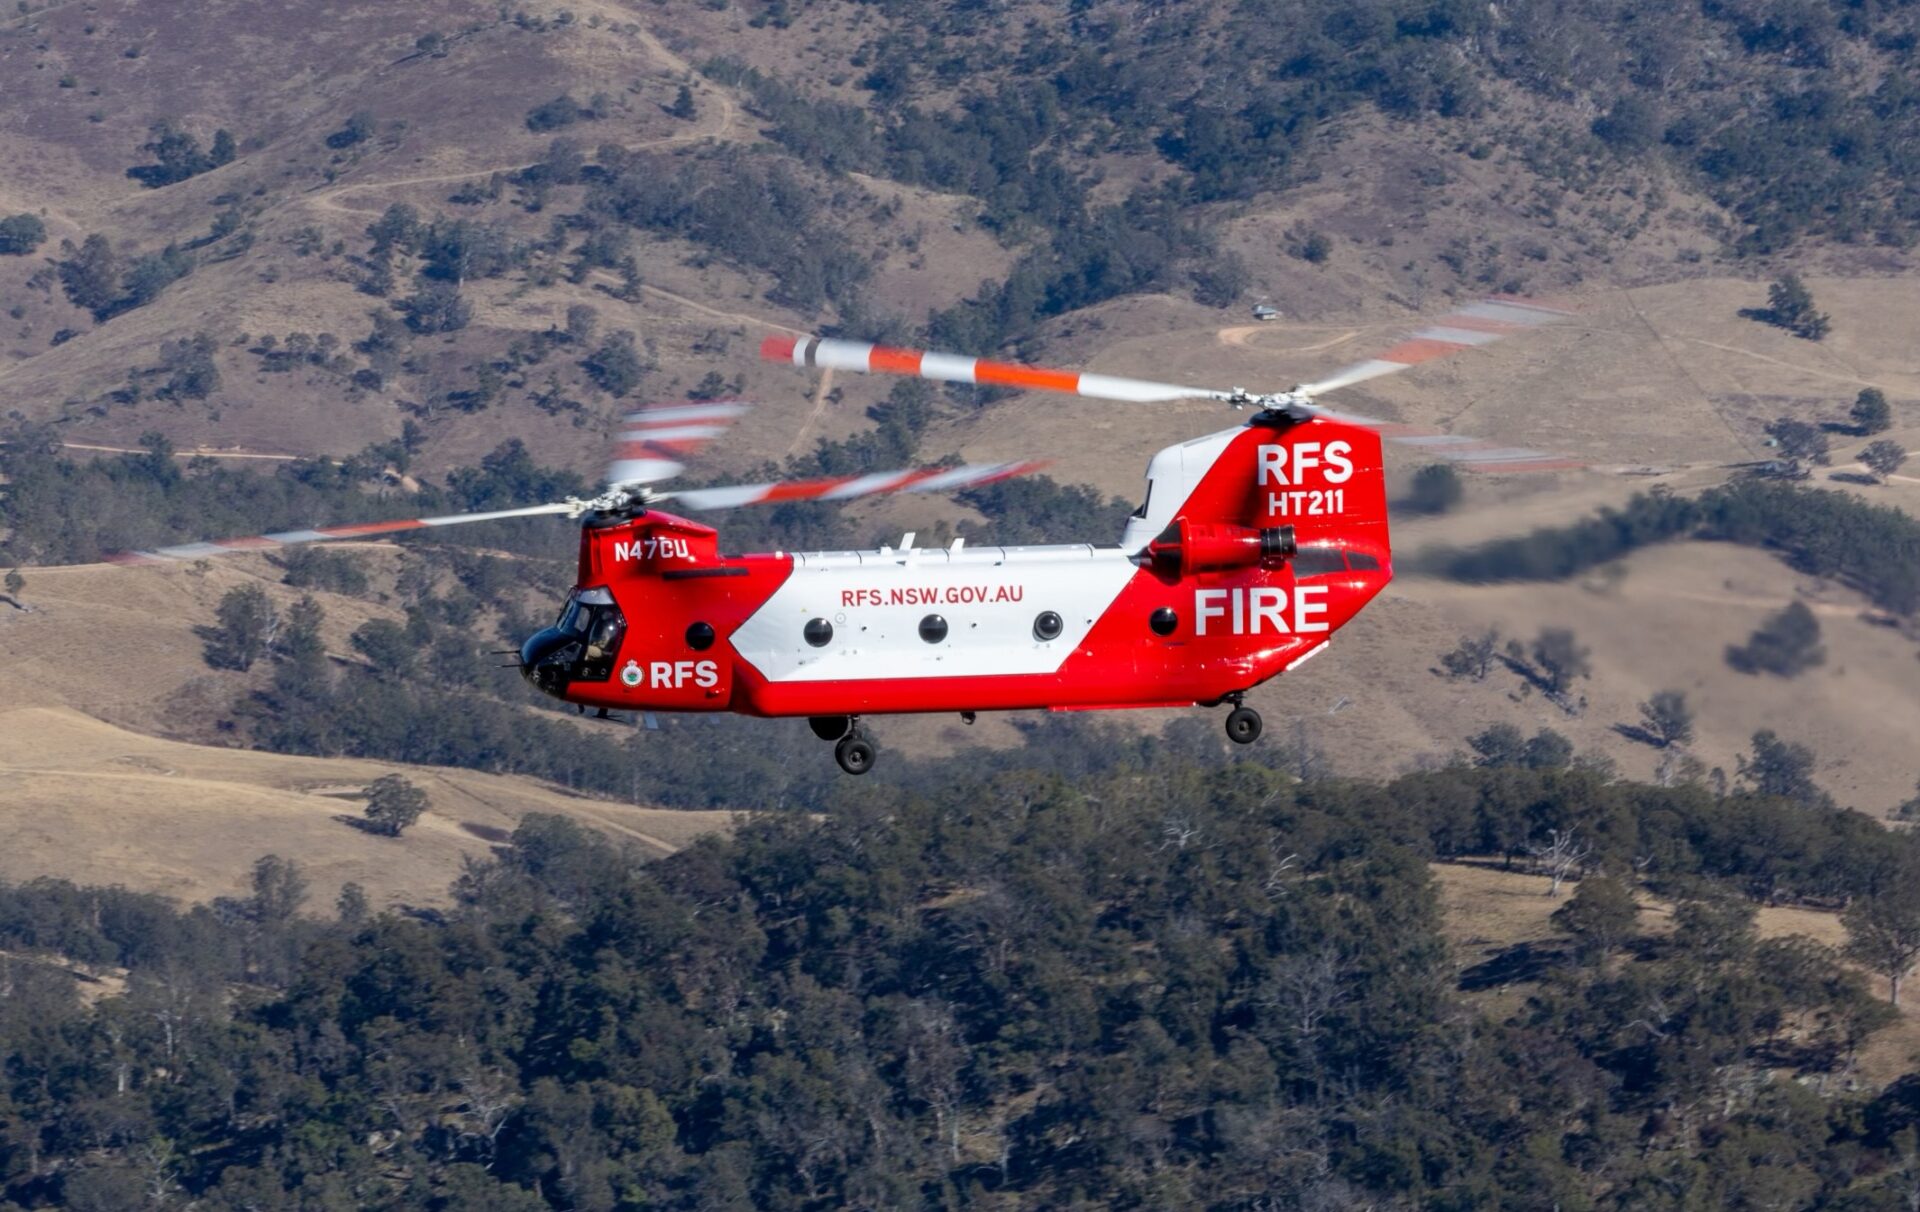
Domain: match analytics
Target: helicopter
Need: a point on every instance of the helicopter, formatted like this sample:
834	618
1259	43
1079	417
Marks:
1250	549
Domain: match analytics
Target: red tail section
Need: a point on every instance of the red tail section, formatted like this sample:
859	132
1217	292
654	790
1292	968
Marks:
1323	478
1289	520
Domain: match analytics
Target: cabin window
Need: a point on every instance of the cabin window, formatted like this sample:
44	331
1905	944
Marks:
1163	621
818	632
933	629
1047	626
700	637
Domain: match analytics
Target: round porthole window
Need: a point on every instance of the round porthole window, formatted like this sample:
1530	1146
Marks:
933	629
818	632
1163	621
1046	626
700	637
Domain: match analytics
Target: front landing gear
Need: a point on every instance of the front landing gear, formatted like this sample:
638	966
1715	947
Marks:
854	753
1243	723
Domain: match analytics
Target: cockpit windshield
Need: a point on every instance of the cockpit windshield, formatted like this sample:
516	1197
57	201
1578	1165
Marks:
586	637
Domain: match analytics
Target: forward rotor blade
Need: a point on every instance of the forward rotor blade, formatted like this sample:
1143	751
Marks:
847	488
287	538
830	353
1477	324
655	440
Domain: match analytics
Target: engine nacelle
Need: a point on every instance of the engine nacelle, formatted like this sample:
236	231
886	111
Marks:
1192	547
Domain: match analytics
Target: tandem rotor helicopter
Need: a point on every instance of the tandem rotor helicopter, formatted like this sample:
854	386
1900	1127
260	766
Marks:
1250	549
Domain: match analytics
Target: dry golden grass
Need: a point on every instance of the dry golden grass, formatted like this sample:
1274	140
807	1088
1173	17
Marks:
96	804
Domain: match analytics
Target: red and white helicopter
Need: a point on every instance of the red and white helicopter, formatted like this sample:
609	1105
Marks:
1250	549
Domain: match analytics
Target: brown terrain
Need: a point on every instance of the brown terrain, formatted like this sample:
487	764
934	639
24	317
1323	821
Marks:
107	657
1657	382
1492	910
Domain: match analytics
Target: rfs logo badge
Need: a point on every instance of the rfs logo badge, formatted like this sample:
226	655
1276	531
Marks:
630	675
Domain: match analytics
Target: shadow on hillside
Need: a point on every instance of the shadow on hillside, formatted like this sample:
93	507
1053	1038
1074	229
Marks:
362	824
1639	735
1520	962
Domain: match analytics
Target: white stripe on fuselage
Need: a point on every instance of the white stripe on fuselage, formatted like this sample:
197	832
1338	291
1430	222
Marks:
990	598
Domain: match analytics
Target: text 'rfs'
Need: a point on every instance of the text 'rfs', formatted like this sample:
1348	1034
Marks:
672	675
1250	611
1333	459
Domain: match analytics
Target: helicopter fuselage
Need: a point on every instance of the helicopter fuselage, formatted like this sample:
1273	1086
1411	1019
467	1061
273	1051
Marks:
1266	541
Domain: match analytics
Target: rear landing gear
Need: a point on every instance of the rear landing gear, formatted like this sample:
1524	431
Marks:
854	753
1243	723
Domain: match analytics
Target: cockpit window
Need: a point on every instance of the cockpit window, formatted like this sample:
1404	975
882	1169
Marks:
597	625
1318	561
1145	501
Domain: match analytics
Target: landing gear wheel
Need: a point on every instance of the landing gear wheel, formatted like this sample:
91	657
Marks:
854	753
1243	725
829	727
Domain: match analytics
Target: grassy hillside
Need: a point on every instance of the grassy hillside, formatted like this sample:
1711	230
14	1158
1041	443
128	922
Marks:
840	163
100	805
1108	187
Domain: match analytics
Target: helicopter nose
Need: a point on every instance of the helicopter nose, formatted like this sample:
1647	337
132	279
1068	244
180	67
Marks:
543	660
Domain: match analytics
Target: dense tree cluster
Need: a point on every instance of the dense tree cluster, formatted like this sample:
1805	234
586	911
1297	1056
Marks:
59	510
1187	985
1751	103
105	282
760	212
1873	548
178	155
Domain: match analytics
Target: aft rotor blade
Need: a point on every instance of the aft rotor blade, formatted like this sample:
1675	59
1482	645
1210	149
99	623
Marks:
656	440
1472	326
847	488
831	353
287	538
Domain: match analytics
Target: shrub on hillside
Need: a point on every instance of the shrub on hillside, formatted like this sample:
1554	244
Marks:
1786	645
21	234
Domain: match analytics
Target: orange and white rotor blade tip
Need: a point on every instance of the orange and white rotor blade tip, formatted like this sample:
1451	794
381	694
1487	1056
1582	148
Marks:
832	353
1470	327
655	441
320	534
